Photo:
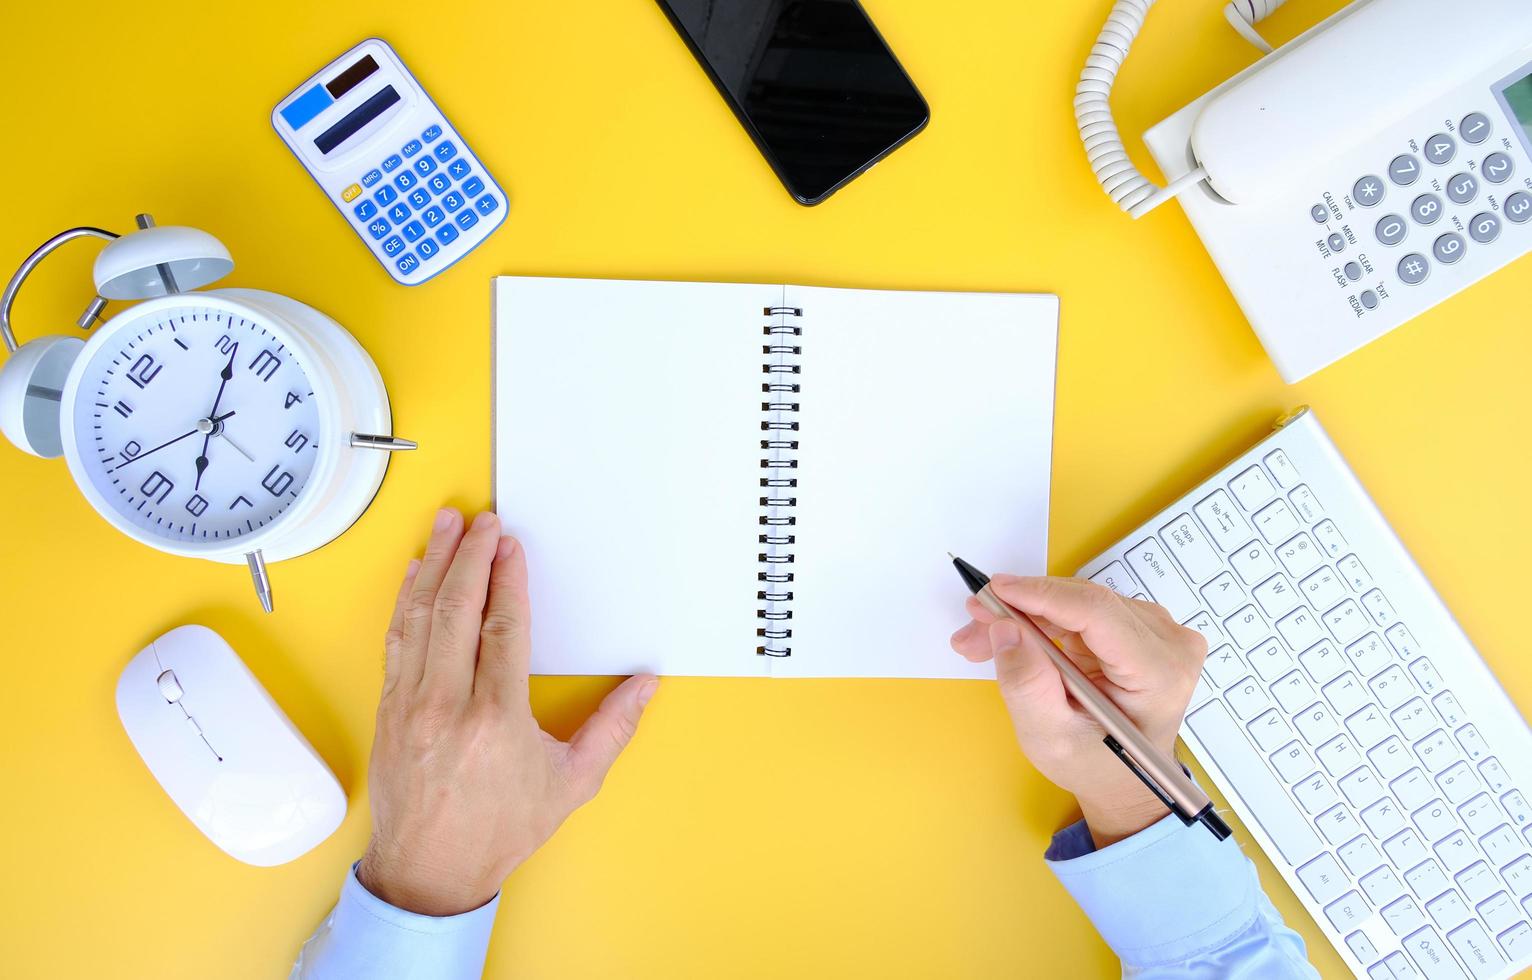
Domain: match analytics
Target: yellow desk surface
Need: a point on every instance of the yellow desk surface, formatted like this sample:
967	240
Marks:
755	829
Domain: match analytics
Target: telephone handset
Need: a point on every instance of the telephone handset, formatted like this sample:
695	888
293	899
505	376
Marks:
1353	179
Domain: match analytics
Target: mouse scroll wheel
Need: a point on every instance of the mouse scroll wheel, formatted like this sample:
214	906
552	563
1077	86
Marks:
169	686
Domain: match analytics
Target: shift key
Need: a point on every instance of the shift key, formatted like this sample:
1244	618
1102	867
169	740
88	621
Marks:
1266	801
1153	568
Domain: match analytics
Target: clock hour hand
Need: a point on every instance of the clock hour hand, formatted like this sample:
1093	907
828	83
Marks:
172	442
213	429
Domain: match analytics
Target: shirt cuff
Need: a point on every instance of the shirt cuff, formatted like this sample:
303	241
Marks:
365	936
1166	894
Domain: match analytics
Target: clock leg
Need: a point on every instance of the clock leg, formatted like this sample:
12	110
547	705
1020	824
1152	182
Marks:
257	563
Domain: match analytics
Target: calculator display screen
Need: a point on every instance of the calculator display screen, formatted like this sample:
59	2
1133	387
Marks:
1516	95
811	80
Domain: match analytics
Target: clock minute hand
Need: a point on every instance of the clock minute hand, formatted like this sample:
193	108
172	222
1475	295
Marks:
225	375
170	442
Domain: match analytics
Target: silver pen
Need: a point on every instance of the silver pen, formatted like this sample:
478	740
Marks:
1161	773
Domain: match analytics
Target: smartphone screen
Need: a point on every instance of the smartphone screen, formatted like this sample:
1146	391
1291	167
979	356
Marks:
811	81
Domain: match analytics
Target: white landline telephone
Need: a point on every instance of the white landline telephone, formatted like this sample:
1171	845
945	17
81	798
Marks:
1353	179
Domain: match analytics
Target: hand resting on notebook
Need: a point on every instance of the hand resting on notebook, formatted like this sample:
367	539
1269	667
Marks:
464	783
1134	651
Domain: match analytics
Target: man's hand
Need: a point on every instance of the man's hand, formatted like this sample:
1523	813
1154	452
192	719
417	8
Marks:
464	784
1134	651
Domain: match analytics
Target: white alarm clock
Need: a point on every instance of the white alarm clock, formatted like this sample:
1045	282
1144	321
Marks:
234	425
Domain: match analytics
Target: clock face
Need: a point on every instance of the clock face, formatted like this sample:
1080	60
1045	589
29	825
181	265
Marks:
196	424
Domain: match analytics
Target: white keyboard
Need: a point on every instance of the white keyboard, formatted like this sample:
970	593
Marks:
1344	714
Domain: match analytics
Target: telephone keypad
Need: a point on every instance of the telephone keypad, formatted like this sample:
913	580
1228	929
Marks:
1337	242
1392	229
1370	300
1319	213
1475	128
1498	168
1368	191
1518	207
1353	271
1414	269
1405	170
1427	209
1484	228
1441	148
1449	248
1463	188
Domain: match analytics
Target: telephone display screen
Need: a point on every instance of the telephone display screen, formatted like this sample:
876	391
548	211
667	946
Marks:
811	81
1516	94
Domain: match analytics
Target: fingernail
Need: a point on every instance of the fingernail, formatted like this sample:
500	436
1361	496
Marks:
484	520
507	548
647	691
412	567
444	518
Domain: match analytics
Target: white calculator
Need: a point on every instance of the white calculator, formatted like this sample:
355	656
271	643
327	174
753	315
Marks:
391	162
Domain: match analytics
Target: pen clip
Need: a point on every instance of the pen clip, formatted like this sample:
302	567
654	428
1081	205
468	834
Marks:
1137	770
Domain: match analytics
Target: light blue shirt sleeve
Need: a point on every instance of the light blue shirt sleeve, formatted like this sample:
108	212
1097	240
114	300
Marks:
365	938
1172	901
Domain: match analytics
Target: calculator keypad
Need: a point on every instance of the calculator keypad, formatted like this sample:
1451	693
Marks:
419	200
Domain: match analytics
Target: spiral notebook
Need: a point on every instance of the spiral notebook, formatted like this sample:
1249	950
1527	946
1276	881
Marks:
735	479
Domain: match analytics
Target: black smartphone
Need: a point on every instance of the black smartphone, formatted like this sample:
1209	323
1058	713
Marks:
811	81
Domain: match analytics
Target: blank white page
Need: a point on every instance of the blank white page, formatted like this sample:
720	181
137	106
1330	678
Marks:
627	458
926	427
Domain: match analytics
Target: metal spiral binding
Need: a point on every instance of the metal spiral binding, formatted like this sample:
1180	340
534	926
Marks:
779	479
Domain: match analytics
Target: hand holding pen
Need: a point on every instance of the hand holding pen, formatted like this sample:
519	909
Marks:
1132	652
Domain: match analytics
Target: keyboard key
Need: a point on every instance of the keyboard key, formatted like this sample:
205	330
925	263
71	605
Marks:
433	216
1516	805
392	163
1293	691
351	193
486	204
1269	731
365	211
460	169
1517	940
1292	761
1346	621
424	166
385	196
1501	846
1414	789
1266	800
432	134
1223	595
1405	850
466	219
1391	758
1223	521
407	263
1348	911
1448	707
1392	687
1498	911
1403	915
452	201
1270	659
378	228
1447	909
1472	743
427	248
393	246
1246	627
445	151
418	198
1276	596
1479	814
1316	723
1248	698
1494	775
1337	824
411	148
1113	576
1458	782
1185	541
1323	661
1252	488
1330	539
1224	666
1413	718
1299	556
1281	468
1368	726
1455	851
1355	573
371	177
1426	880
446	233
1477	881
1159	577
1253	563
1436	751
404	180
1399	968
1323	878
413	231
1276	522
1383	817
1370	655
1360	854
399	213
1403	641
439	183
1379	608
1475	949
1339	755
1381	886
1306	504
1426	949
1361	789
1434	821
1315	793
1323	589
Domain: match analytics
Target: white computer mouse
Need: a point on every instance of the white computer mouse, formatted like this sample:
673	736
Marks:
224	751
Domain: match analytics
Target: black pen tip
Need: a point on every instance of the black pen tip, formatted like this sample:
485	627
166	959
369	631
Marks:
972	577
